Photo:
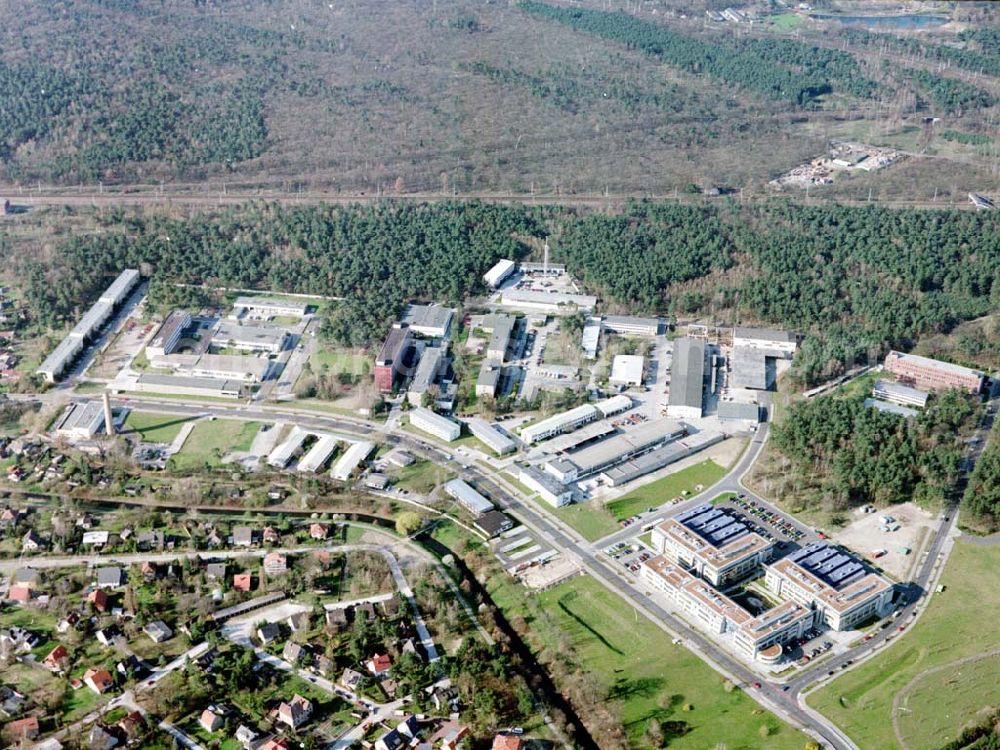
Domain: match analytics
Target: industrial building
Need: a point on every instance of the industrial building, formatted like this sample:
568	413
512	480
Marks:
583	436
391	359
499	273
231	367
435	424
713	544
591	337
900	394
627	325
493	523
81	421
656	459
490	436
319	454
734	411
614	405
263	308
558	303
889	407
232	335
626	369
930	374
566	421
430	367
165	340
614	450
780	344
433	321
289	448
687	379
554	492
348	463
467	496
181	385
748	368
54	365
842	590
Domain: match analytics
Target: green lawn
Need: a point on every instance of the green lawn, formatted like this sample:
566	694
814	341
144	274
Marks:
956	625
153	427
662	490
209	441
422	476
594	520
645	676
590	518
339	361
787	21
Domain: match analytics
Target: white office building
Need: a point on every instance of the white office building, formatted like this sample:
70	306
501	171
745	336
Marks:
627	325
231	367
552	491
232	335
490	436
435	424
433	321
265	308
168	335
777	343
557	424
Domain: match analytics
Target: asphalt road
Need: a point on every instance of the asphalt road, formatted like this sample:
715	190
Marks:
784	699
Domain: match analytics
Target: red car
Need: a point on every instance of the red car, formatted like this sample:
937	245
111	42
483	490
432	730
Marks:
756	686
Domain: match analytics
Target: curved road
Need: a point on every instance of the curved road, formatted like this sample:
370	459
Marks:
785	699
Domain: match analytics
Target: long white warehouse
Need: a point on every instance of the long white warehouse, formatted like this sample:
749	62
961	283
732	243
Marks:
319	454
558	423
351	459
490	436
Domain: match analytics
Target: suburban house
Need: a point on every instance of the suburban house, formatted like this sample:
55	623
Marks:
99	599
242	582
319	531
275	563
268	633
379	665
295	712
210	721
109	578
58	659
158	631
98	680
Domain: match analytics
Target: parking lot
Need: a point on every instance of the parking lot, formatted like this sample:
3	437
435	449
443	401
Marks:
629	554
770	524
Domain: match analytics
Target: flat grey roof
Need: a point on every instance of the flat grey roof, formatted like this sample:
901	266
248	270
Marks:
177	319
749	368
616	321
82	415
262	335
890	408
687	373
468	496
899	390
125	281
427	368
765	334
734	410
427	316
183	381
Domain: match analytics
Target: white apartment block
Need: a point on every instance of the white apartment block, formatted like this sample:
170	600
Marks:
435	424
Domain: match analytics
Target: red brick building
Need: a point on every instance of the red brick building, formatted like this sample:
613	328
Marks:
923	372
391	357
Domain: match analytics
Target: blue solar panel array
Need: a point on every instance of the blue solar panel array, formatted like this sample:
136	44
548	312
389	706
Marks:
714	525
830	564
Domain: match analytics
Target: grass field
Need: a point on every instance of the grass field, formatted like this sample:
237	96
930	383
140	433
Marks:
209	441
338	361
422	477
594	520
937	703
642	673
155	428
673	485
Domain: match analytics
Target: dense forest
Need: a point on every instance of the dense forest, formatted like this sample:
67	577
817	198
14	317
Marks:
982	496
947	94
781	69
860	280
854	454
985	58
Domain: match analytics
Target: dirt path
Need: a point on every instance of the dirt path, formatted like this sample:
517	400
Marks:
905	690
